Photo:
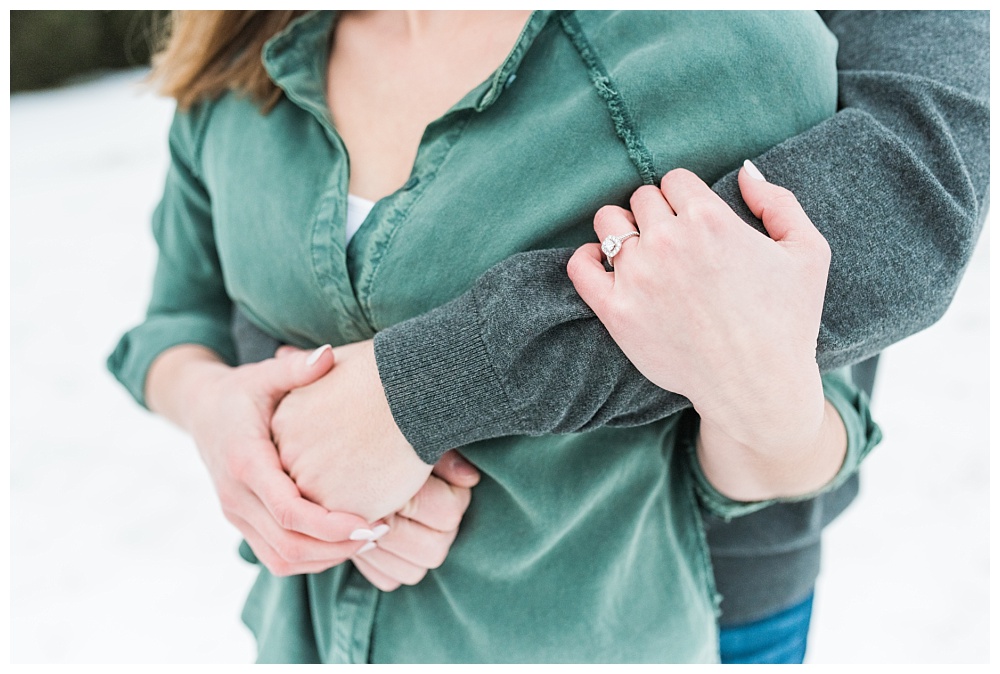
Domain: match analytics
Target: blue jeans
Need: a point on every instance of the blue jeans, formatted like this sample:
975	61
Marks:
778	639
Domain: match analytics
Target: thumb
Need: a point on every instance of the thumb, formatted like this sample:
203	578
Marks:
586	271
456	470
294	370
777	207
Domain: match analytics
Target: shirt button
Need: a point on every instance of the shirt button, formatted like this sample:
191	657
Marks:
411	183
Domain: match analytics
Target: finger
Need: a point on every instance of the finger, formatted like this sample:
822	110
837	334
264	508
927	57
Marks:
393	567
269	557
456	470
777	207
291	546
281	375
615	221
418	544
610	220
438	505
650	207
286	350
685	191
290	511
592	282
374	576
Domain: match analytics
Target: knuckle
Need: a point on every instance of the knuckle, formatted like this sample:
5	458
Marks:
464	498
644	193
229	503
284	516
703	219
451	519
675	177
413	576
574	266
452	516
784	198
279	567
410	509
233	519
289	550
236	465
703	212
284	570
823	250
603	214
440	553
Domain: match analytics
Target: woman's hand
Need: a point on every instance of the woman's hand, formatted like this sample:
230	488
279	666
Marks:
337	440
706	306
421	534
228	413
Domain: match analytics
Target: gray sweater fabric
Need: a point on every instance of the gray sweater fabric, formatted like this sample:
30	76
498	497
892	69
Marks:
897	181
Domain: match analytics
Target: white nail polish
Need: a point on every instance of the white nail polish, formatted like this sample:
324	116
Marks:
362	535
379	531
314	356
370	545
753	171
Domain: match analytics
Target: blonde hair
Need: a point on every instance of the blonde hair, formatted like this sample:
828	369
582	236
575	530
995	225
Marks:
211	52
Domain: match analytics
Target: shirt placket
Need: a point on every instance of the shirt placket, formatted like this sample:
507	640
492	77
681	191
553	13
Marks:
296	61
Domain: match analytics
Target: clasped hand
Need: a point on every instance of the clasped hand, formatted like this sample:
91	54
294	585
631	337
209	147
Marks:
229	411
706	306
337	440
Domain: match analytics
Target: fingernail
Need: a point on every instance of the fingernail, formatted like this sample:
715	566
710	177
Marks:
362	535
370	545
314	356
379	531
753	171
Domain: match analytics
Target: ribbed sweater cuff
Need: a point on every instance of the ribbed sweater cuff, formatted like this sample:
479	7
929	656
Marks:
428	363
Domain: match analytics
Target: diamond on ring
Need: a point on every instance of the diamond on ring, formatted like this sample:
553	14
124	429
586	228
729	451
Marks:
613	244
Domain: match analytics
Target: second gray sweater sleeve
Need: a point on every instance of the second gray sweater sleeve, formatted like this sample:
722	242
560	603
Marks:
897	182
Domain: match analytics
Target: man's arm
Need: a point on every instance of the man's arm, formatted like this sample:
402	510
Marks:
896	181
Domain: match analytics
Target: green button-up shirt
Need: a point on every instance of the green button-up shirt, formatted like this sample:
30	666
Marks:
582	547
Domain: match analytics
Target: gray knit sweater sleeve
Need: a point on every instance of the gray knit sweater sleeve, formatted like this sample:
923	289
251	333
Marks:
897	182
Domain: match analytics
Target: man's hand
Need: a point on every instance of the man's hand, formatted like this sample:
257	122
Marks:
422	532
337	440
357	427
228	413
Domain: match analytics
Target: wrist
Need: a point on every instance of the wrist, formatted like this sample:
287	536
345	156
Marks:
798	463
179	380
770	416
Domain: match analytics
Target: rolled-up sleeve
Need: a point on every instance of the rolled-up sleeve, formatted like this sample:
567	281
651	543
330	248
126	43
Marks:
862	435
189	304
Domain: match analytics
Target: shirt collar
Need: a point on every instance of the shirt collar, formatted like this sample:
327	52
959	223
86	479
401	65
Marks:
504	75
296	59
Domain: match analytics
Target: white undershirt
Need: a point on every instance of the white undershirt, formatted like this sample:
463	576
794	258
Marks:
358	209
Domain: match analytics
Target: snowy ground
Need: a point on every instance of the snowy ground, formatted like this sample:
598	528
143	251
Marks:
119	552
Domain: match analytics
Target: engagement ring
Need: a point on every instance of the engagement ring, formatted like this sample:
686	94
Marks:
612	244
